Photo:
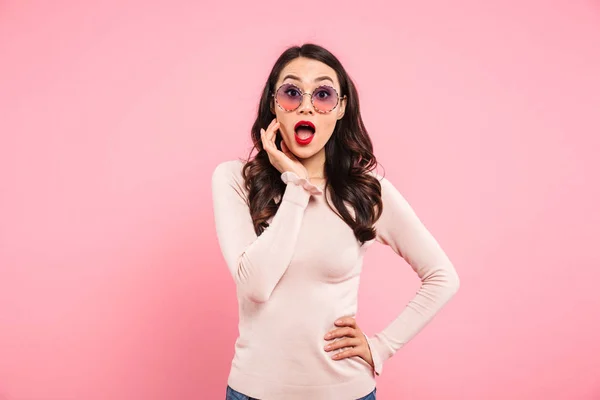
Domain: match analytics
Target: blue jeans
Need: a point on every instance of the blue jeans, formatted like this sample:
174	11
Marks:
235	395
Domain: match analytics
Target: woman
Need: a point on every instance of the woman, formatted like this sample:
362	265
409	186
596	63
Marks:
293	224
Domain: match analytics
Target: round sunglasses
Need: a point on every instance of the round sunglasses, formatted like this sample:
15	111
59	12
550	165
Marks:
324	98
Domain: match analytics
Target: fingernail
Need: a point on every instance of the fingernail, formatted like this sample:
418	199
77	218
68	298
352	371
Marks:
339	321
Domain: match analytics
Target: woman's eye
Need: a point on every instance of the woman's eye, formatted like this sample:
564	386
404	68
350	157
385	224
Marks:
322	94
292	92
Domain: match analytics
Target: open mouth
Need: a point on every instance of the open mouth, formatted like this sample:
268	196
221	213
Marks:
304	130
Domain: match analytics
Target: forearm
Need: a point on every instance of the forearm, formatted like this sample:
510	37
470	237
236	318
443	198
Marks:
436	290
263	263
257	263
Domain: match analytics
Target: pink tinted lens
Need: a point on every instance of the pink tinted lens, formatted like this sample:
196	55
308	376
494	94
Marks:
324	98
289	96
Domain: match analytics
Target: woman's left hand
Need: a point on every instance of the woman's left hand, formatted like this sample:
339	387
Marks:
353	338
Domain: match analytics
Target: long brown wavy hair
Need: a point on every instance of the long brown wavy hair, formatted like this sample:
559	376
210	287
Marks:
349	156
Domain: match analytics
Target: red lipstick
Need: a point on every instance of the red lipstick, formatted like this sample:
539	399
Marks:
304	126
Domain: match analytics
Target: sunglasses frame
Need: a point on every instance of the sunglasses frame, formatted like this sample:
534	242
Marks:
274	95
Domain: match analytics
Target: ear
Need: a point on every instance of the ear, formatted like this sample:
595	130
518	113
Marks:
342	108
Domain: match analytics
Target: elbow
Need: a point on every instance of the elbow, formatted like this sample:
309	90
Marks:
256	293
447	279
258	296
251	285
455	285
453	281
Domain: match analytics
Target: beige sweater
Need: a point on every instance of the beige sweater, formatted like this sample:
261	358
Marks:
301	274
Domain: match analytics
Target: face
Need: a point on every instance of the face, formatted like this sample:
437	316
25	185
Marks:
307	76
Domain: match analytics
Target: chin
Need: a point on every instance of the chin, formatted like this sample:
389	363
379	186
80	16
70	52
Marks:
303	151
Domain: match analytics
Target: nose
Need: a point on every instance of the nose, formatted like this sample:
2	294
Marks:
306	105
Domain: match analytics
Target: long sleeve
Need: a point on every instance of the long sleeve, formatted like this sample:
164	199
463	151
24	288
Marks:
401	229
257	263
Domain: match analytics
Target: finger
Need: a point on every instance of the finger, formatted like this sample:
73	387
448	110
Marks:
338	344
268	128
264	141
341	332
274	135
262	136
273	132
346	321
286	150
351	352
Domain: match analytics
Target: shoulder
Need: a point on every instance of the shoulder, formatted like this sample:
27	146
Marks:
229	171
391	193
383	181
227	178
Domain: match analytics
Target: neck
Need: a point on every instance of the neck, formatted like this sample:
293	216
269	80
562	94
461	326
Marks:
315	165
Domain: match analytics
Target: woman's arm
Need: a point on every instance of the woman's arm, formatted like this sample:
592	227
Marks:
257	263
401	229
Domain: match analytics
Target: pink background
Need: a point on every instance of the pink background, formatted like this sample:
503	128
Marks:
114	114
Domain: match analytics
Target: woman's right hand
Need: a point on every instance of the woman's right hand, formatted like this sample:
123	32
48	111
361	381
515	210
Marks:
284	160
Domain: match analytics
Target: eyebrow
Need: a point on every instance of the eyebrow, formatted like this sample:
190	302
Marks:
317	79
